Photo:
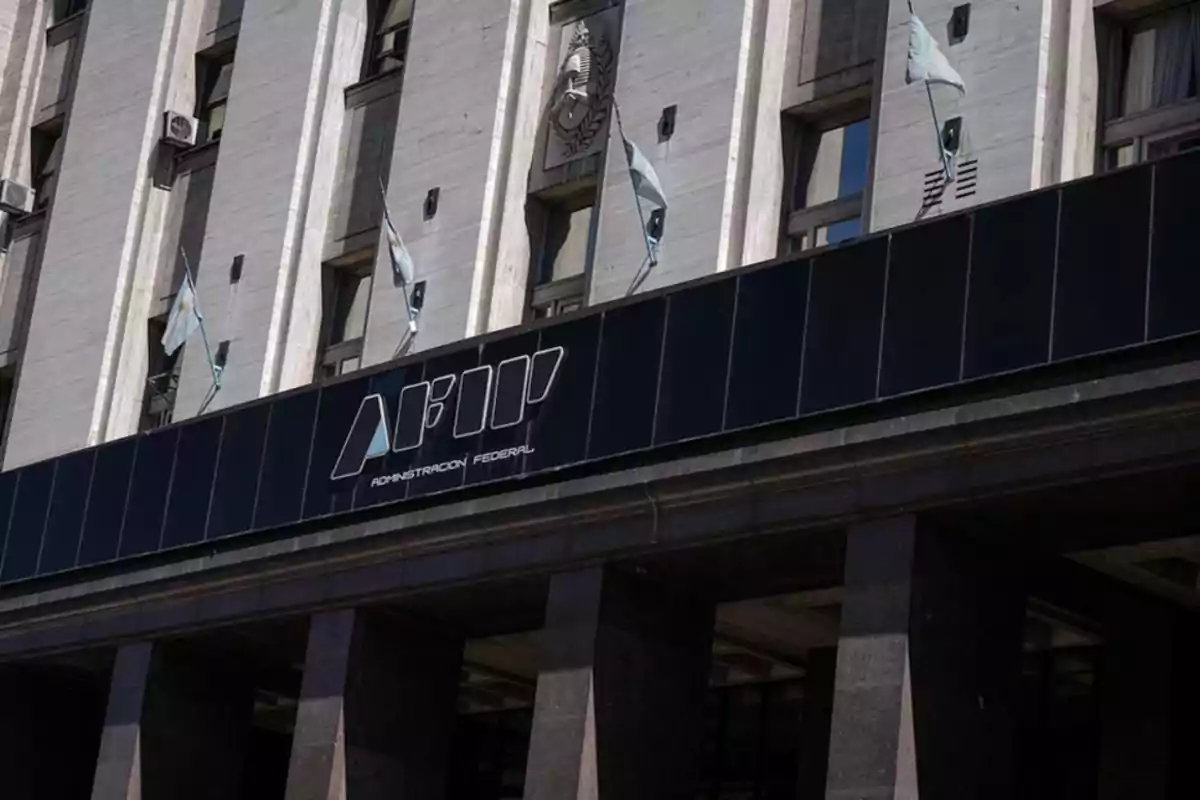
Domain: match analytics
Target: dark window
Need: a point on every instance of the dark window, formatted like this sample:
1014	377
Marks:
1152	86
215	75
68	8
563	257
162	379
830	157
46	145
388	47
6	395
347	298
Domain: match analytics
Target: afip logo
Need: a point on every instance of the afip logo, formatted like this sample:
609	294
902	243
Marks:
488	397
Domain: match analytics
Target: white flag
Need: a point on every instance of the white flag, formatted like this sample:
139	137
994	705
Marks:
925	59
403	269
185	317
645	180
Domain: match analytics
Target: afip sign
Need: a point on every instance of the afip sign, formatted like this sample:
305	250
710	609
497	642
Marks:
488	398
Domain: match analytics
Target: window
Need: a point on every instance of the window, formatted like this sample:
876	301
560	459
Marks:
215	75
6	394
344	321
68	8
830	173
162	379
46	144
388	47
1152	86
563	259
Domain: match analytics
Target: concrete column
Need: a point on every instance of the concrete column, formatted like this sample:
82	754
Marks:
377	709
176	727
928	667
68	383
271	197
815	716
50	726
1148	705
620	698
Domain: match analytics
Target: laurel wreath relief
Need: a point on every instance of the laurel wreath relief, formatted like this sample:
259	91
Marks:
579	137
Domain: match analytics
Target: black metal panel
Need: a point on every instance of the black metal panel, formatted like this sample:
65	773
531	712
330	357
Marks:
1011	286
926	295
65	524
236	484
768	343
390	385
285	460
106	502
142	531
8	491
191	488
695	368
1103	252
845	311
28	521
499	451
1175	259
337	406
627	378
559	425
442	457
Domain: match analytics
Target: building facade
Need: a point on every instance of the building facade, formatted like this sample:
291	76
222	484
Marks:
877	482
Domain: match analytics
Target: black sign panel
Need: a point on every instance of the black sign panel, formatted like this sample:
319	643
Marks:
1014	285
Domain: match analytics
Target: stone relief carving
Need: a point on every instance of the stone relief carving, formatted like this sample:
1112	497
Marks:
580	101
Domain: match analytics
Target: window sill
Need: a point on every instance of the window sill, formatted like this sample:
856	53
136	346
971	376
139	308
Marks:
374	87
66	28
1155	120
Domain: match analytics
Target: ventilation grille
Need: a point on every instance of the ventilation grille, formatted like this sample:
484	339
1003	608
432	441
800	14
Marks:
965	181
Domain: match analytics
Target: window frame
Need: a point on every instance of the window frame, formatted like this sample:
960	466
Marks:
374	57
549	297
159	397
209	67
801	225
334	354
1139	129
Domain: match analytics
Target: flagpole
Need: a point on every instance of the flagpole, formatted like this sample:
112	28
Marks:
212	365
937	131
637	201
412	316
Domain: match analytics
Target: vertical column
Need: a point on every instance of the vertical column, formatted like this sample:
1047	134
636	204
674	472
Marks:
176	727
458	118
90	271
815	716
377	709
705	168
928	667
271	197
50	726
620	697
1148	704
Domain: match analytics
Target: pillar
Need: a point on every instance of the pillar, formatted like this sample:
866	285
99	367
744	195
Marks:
49	732
620	697
928	667
1148	703
176	727
377	709
815	715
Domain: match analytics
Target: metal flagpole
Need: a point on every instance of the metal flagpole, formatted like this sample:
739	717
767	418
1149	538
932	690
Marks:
637	200
411	332
937	131
212	365
937	128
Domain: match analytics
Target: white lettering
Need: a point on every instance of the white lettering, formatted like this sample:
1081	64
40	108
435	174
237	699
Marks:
450	466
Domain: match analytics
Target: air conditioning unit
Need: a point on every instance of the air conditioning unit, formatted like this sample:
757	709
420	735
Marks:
179	130
15	198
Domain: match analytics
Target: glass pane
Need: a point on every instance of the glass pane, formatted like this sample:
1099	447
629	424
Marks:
1175	144
395	13
216	122
220	89
1139	73
839	231
832	167
349	365
351	293
1122	156
566	243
